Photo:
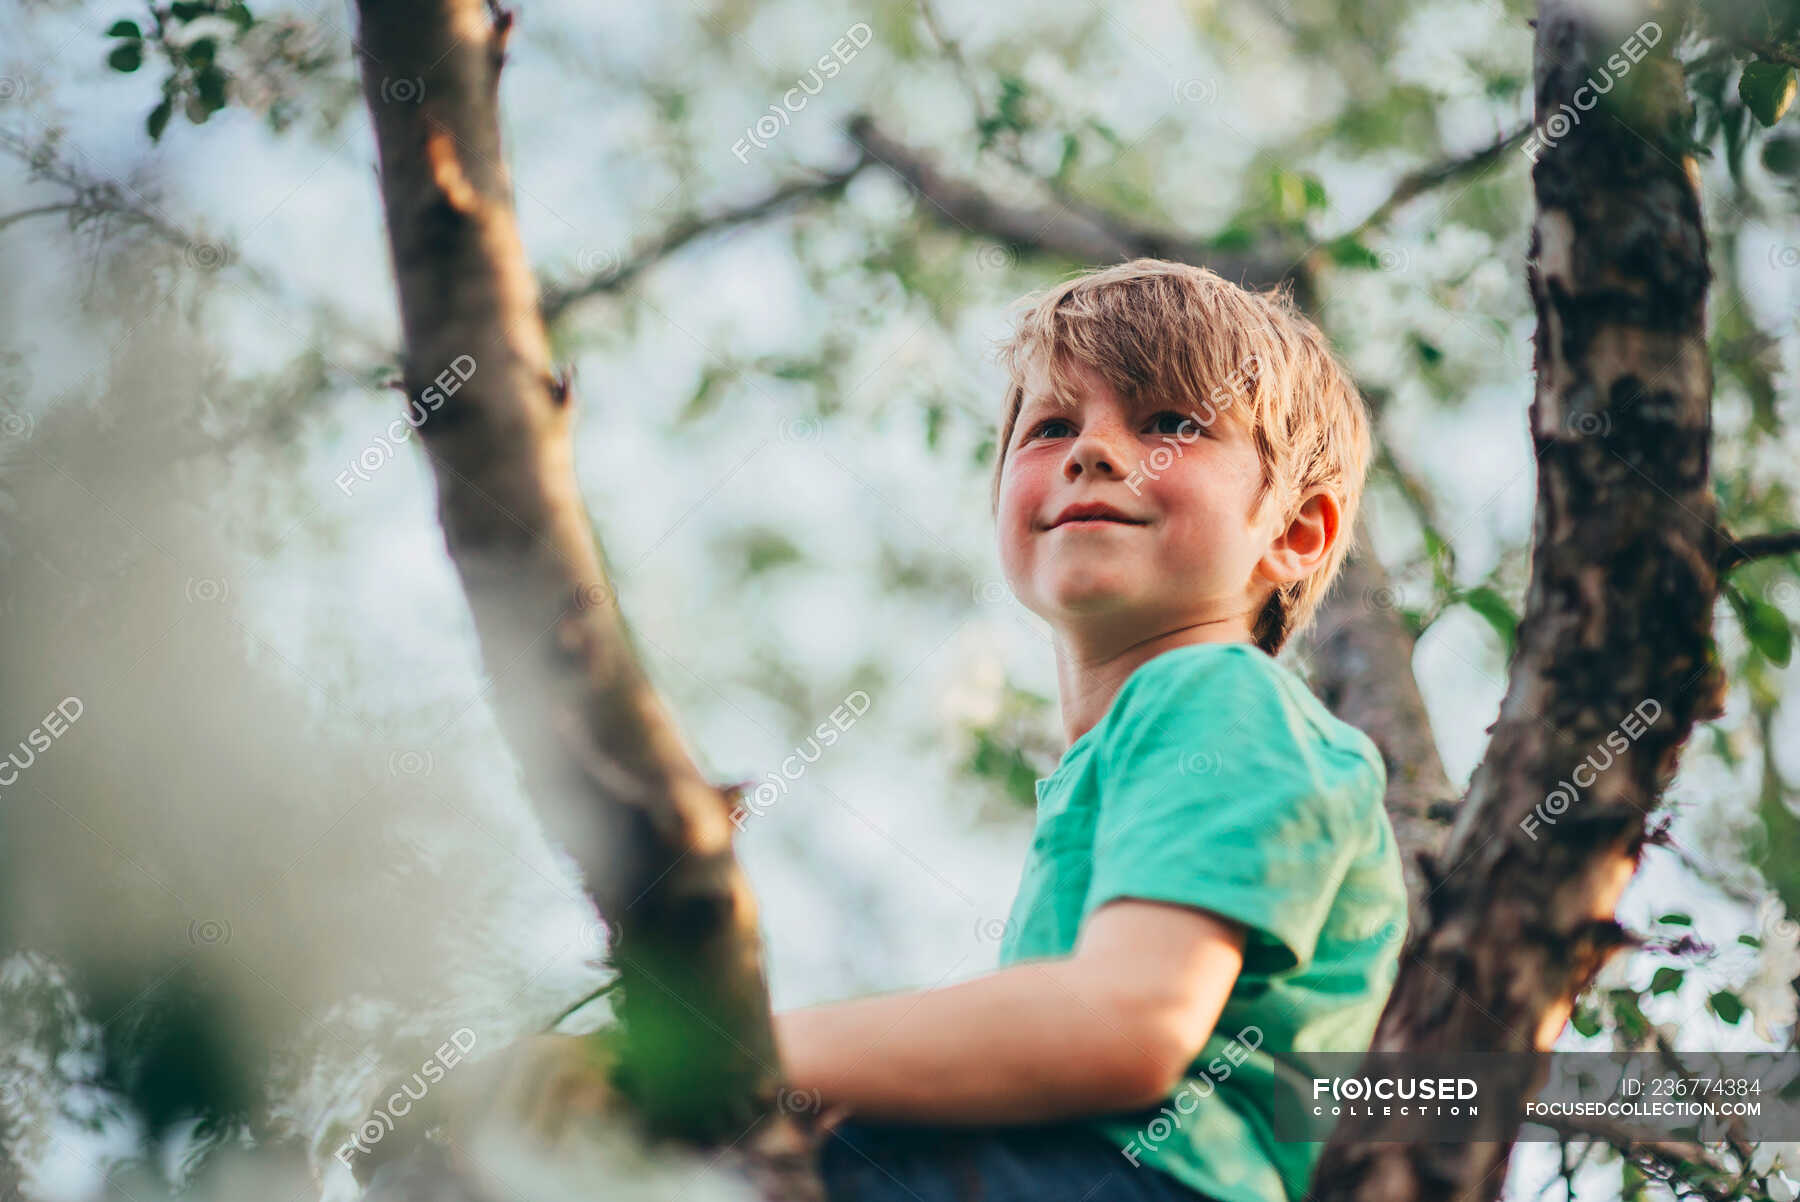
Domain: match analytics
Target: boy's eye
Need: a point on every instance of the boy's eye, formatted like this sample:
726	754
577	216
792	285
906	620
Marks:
1171	422
1042	429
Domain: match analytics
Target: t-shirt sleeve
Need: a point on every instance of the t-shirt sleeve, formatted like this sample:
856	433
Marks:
1217	792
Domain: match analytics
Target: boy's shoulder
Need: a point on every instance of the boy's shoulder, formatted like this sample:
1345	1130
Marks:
1213	697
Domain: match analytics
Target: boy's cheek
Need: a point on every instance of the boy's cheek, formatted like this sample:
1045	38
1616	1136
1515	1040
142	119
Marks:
1015	567
1013	527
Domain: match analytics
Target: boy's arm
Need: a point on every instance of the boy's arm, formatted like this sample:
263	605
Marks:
1110	1027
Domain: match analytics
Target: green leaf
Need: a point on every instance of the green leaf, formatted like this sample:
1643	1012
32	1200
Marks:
1726	1005
1071	150
1348	252
1504	86
1766	89
1677	920
1108	132
1764	625
706	393
1233	237
1429	354
765	550
158	120
1005	765
1628	1014
1781	156
1493	607
1586	1020
185	11
210	85
239	15
200	52
1289	194
1722	746
1666	980
1749	941
126	56
1314	191
124	29
1009	113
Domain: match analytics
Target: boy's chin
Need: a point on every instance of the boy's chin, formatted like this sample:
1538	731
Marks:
1078	601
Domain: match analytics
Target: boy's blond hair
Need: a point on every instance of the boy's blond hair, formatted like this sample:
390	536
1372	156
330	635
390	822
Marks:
1151	326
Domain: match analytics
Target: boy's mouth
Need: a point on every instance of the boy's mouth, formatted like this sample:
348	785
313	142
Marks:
1094	512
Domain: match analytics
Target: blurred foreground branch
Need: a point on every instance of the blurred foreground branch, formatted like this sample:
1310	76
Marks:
600	754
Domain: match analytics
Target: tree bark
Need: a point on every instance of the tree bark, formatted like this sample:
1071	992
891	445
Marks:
1618	613
598	752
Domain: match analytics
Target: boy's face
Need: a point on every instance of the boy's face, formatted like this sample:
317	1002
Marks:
1189	549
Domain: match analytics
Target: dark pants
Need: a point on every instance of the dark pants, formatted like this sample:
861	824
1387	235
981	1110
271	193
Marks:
869	1162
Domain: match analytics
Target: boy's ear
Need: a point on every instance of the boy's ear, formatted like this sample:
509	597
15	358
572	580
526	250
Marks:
1309	536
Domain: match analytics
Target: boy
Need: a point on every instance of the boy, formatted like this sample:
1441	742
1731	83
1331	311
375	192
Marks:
1214	889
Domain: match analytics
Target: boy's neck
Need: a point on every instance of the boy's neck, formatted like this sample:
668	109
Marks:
1088	677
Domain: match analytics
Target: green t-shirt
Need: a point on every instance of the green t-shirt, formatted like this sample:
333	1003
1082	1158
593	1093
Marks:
1218	780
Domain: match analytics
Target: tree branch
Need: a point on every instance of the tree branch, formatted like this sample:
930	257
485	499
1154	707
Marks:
71	207
1416	183
1612	667
1770	52
611	276
599	753
92	197
1740	551
1085	234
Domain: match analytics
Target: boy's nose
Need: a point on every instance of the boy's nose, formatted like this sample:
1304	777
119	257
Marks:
1093	453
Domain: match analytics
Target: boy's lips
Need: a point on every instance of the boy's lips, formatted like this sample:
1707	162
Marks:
1094	513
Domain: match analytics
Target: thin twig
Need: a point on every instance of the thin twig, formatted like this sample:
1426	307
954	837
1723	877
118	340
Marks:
1758	546
592	997
613	276
1415	183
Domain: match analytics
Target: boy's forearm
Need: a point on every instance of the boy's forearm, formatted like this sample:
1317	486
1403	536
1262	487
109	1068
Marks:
1032	1042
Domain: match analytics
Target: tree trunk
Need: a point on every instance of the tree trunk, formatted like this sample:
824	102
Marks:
1618	616
598	752
1361	668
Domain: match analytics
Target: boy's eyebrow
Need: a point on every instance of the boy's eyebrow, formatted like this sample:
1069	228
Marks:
1032	401
1217	412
